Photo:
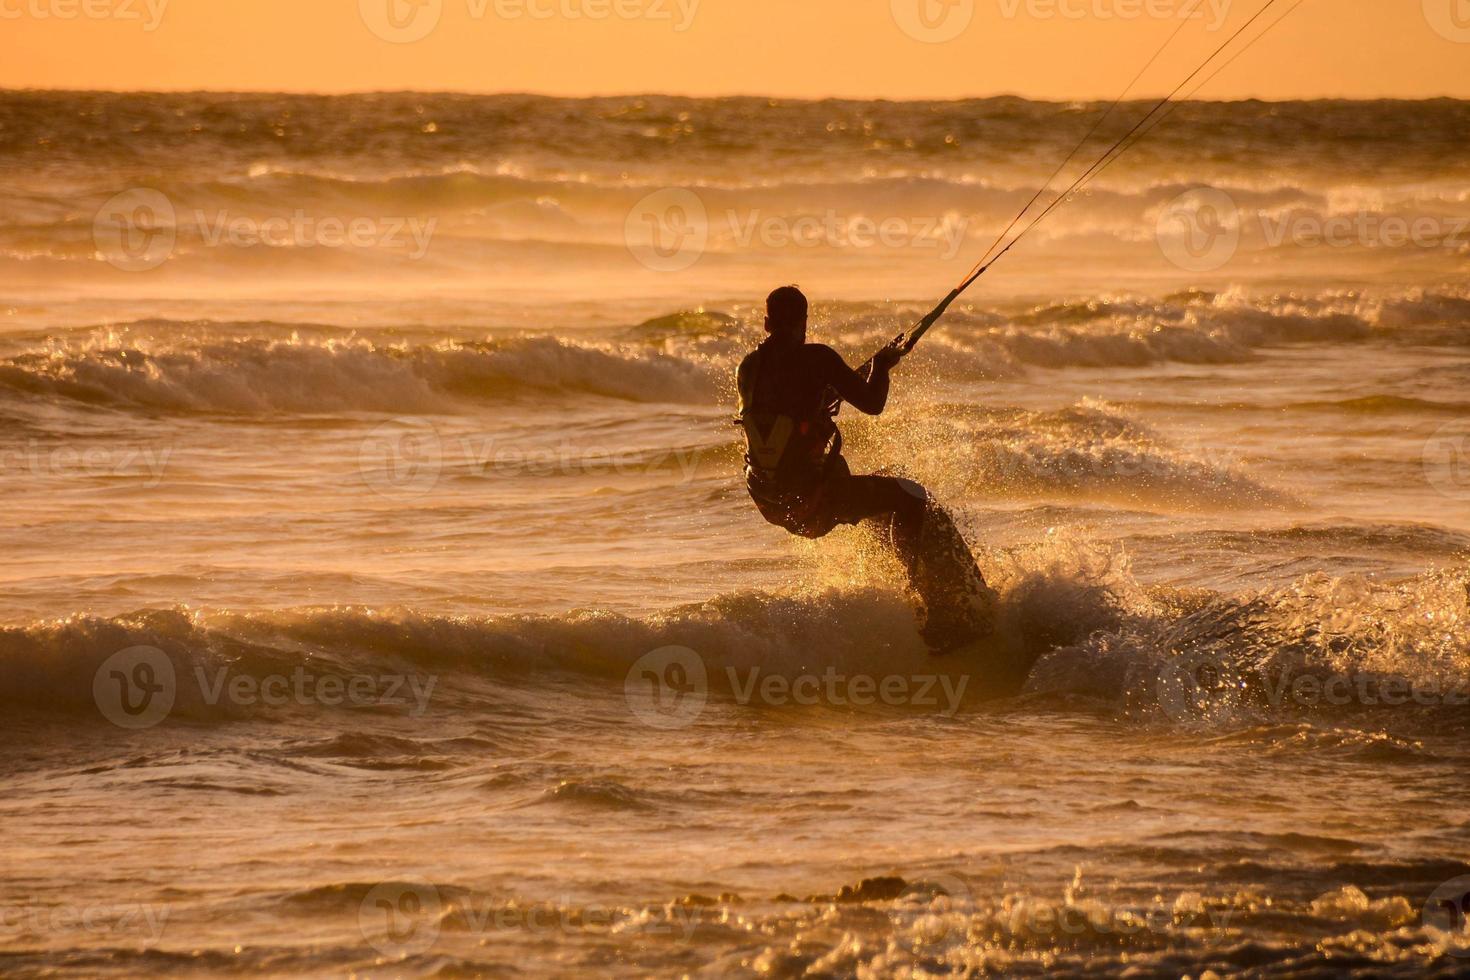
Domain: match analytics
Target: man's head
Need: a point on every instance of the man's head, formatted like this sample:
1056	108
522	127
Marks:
786	310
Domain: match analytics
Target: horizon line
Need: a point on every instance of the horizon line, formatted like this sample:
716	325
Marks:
349	93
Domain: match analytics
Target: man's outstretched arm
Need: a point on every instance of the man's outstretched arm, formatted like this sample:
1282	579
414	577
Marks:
868	395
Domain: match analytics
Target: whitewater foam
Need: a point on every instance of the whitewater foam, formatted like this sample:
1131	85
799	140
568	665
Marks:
267	376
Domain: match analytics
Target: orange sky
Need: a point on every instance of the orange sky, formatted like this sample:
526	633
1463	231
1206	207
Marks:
805	48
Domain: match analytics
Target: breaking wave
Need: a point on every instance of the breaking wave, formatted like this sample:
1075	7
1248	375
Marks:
1057	597
1098	633
1321	647
687	357
945	213
265	376
1092	450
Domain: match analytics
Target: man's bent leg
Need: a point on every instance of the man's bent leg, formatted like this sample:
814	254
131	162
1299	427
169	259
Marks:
961	607
957	606
898	504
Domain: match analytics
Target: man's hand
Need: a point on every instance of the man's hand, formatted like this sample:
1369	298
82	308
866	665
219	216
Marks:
888	357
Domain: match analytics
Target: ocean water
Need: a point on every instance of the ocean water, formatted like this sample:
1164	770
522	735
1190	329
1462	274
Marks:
381	596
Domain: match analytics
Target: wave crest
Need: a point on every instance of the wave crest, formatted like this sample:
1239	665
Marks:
1322	647
265	376
1060	594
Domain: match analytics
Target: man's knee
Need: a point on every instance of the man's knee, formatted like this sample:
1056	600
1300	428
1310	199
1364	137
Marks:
911	501
863	498
912	489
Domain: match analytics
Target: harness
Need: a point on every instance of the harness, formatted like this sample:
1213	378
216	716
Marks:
789	457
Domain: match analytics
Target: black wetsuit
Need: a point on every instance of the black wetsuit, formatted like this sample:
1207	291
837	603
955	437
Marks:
803	484
799	480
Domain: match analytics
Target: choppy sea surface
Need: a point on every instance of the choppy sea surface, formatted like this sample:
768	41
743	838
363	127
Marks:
381	595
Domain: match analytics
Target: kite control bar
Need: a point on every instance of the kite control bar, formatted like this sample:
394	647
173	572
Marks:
904	342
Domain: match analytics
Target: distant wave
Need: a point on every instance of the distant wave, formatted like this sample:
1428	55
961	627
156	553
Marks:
1189	328
1052	598
469	207
272	132
1386	405
1421	540
688	357
53	665
261	376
